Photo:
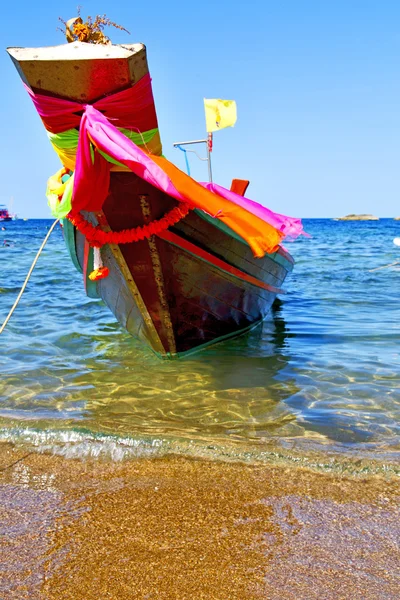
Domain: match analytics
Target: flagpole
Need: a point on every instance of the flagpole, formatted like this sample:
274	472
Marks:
208	142
209	150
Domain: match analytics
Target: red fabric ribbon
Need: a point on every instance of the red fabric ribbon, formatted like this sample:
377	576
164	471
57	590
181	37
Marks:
132	108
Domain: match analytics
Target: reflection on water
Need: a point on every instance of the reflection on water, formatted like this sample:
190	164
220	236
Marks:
323	368
230	391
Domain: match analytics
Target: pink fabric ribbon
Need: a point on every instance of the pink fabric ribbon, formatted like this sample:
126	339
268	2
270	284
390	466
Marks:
289	226
92	177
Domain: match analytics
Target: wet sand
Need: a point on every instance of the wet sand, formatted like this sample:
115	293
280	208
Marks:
182	528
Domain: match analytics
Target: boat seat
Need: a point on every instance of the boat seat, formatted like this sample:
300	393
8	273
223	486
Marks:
239	186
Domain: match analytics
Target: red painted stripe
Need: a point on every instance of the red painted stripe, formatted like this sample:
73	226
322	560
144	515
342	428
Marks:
171	237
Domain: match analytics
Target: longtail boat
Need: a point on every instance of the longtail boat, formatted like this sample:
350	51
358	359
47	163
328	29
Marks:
180	264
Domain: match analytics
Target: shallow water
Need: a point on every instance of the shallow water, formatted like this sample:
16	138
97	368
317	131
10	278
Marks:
322	371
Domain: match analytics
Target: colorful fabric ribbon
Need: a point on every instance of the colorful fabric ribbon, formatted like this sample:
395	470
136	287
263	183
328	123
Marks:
92	178
65	145
102	147
289	226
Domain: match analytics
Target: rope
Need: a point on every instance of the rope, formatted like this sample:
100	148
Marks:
28	276
186	159
385	266
199	157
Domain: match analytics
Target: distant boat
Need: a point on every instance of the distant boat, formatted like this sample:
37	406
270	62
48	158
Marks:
196	276
4	214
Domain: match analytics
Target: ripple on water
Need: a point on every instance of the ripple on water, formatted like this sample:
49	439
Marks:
323	370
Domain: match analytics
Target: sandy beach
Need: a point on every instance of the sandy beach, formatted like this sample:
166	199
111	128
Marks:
191	529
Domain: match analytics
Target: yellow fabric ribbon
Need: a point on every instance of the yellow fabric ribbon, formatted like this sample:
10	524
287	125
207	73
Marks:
65	145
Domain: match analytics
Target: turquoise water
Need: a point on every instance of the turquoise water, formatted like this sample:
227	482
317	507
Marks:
322	372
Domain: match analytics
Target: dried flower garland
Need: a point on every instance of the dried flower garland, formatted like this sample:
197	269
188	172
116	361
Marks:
89	31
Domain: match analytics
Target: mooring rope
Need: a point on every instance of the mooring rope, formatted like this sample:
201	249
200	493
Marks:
385	266
28	276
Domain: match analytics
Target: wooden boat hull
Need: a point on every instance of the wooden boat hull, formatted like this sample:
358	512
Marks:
189	287
192	285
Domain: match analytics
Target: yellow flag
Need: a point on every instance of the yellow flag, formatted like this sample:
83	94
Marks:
219	113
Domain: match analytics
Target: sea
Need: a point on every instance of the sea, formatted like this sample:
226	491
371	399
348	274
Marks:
322	373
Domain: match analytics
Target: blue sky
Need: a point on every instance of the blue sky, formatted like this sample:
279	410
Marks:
316	83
